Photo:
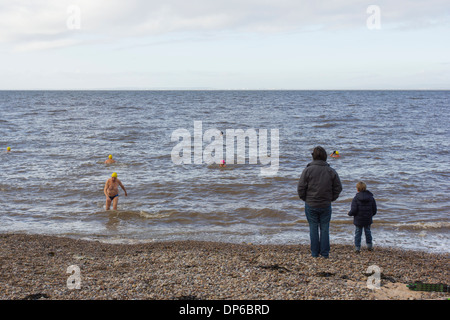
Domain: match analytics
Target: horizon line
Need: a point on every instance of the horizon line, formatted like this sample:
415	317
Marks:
218	89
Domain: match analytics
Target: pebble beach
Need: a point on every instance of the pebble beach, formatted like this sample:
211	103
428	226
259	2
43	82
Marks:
36	267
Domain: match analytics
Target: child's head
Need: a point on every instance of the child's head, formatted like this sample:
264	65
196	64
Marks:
361	186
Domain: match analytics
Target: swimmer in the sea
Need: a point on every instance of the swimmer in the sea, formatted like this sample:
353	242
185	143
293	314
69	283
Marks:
8	149
111	191
110	160
222	164
335	154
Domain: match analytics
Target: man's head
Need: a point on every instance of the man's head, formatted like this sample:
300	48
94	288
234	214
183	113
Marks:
319	153
114	176
110	156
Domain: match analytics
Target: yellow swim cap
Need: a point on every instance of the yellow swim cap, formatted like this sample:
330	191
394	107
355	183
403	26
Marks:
114	175
9	148
337	152
110	156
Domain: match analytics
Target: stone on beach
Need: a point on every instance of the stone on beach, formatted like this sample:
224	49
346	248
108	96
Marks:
35	267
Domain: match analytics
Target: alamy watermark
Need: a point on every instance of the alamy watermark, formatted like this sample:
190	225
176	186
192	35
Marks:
74	280
373	22
374	280
73	21
192	147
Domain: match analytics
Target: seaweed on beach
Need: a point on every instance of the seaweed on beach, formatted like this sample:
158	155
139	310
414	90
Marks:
274	267
420	286
36	296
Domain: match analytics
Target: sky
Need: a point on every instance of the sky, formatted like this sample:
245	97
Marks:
215	44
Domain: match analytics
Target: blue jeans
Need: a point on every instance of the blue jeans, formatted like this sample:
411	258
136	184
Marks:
319	220
358	234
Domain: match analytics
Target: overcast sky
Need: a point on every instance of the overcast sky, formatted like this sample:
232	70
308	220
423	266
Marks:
245	44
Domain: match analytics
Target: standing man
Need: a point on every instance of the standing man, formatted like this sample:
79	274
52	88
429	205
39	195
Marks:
111	191
318	186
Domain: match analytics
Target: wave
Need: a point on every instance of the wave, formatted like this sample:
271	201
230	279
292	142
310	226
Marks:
127	214
436	225
228	189
154	215
423	225
252	213
381	223
325	125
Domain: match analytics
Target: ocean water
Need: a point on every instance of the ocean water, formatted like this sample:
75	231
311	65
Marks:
52	181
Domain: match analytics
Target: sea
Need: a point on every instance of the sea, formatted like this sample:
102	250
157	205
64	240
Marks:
168	144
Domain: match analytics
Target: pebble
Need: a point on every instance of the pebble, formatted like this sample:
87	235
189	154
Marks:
34	266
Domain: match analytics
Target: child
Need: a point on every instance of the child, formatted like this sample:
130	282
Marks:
363	208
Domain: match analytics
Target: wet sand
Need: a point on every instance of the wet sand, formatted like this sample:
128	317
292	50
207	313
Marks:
35	267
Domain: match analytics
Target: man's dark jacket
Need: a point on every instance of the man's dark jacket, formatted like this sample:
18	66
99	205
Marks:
319	184
363	208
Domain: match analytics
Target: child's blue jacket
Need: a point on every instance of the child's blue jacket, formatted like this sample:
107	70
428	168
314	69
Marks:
363	208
